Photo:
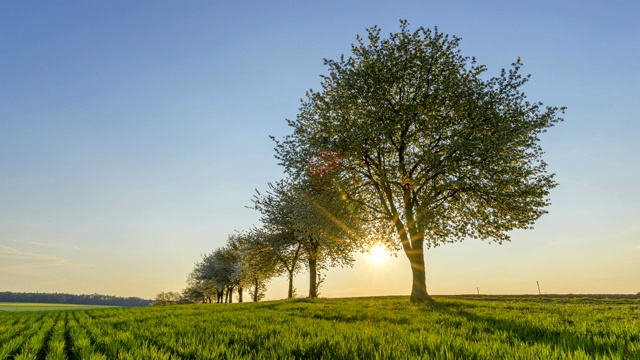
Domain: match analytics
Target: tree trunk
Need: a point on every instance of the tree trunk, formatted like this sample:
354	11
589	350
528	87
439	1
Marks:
230	294
255	292
290	294
413	245
313	272
419	285
239	294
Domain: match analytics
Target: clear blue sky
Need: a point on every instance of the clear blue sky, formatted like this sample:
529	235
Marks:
133	135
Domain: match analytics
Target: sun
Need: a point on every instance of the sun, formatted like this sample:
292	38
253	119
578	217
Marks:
378	255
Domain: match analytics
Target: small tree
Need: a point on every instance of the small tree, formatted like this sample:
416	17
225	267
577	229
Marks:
193	295
254	268
167	298
268	254
431	151
216	272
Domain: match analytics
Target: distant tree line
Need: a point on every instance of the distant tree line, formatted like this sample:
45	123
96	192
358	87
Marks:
60	298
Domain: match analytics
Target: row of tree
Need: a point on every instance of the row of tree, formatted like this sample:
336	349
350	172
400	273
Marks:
305	225
407	144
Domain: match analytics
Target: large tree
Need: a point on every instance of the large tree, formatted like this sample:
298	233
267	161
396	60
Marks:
429	147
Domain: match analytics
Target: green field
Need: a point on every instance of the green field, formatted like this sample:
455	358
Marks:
4	306
358	328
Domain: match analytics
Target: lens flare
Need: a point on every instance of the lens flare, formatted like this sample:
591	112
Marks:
324	161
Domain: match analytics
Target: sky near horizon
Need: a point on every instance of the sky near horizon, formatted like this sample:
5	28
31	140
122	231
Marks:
134	134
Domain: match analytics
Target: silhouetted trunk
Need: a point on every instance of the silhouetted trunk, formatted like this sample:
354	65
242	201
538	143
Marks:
413	246
313	278
290	294
292	270
313	271
239	294
220	294
419	287
255	292
230	294
419	277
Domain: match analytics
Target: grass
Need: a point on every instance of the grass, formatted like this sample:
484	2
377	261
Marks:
358	328
7	306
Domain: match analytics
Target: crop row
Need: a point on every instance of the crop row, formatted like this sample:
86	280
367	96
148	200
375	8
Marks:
28	339
337	329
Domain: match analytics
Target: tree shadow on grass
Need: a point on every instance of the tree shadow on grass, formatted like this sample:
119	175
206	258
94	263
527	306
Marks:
531	334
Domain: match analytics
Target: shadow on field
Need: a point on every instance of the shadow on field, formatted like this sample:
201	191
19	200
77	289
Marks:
525	331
